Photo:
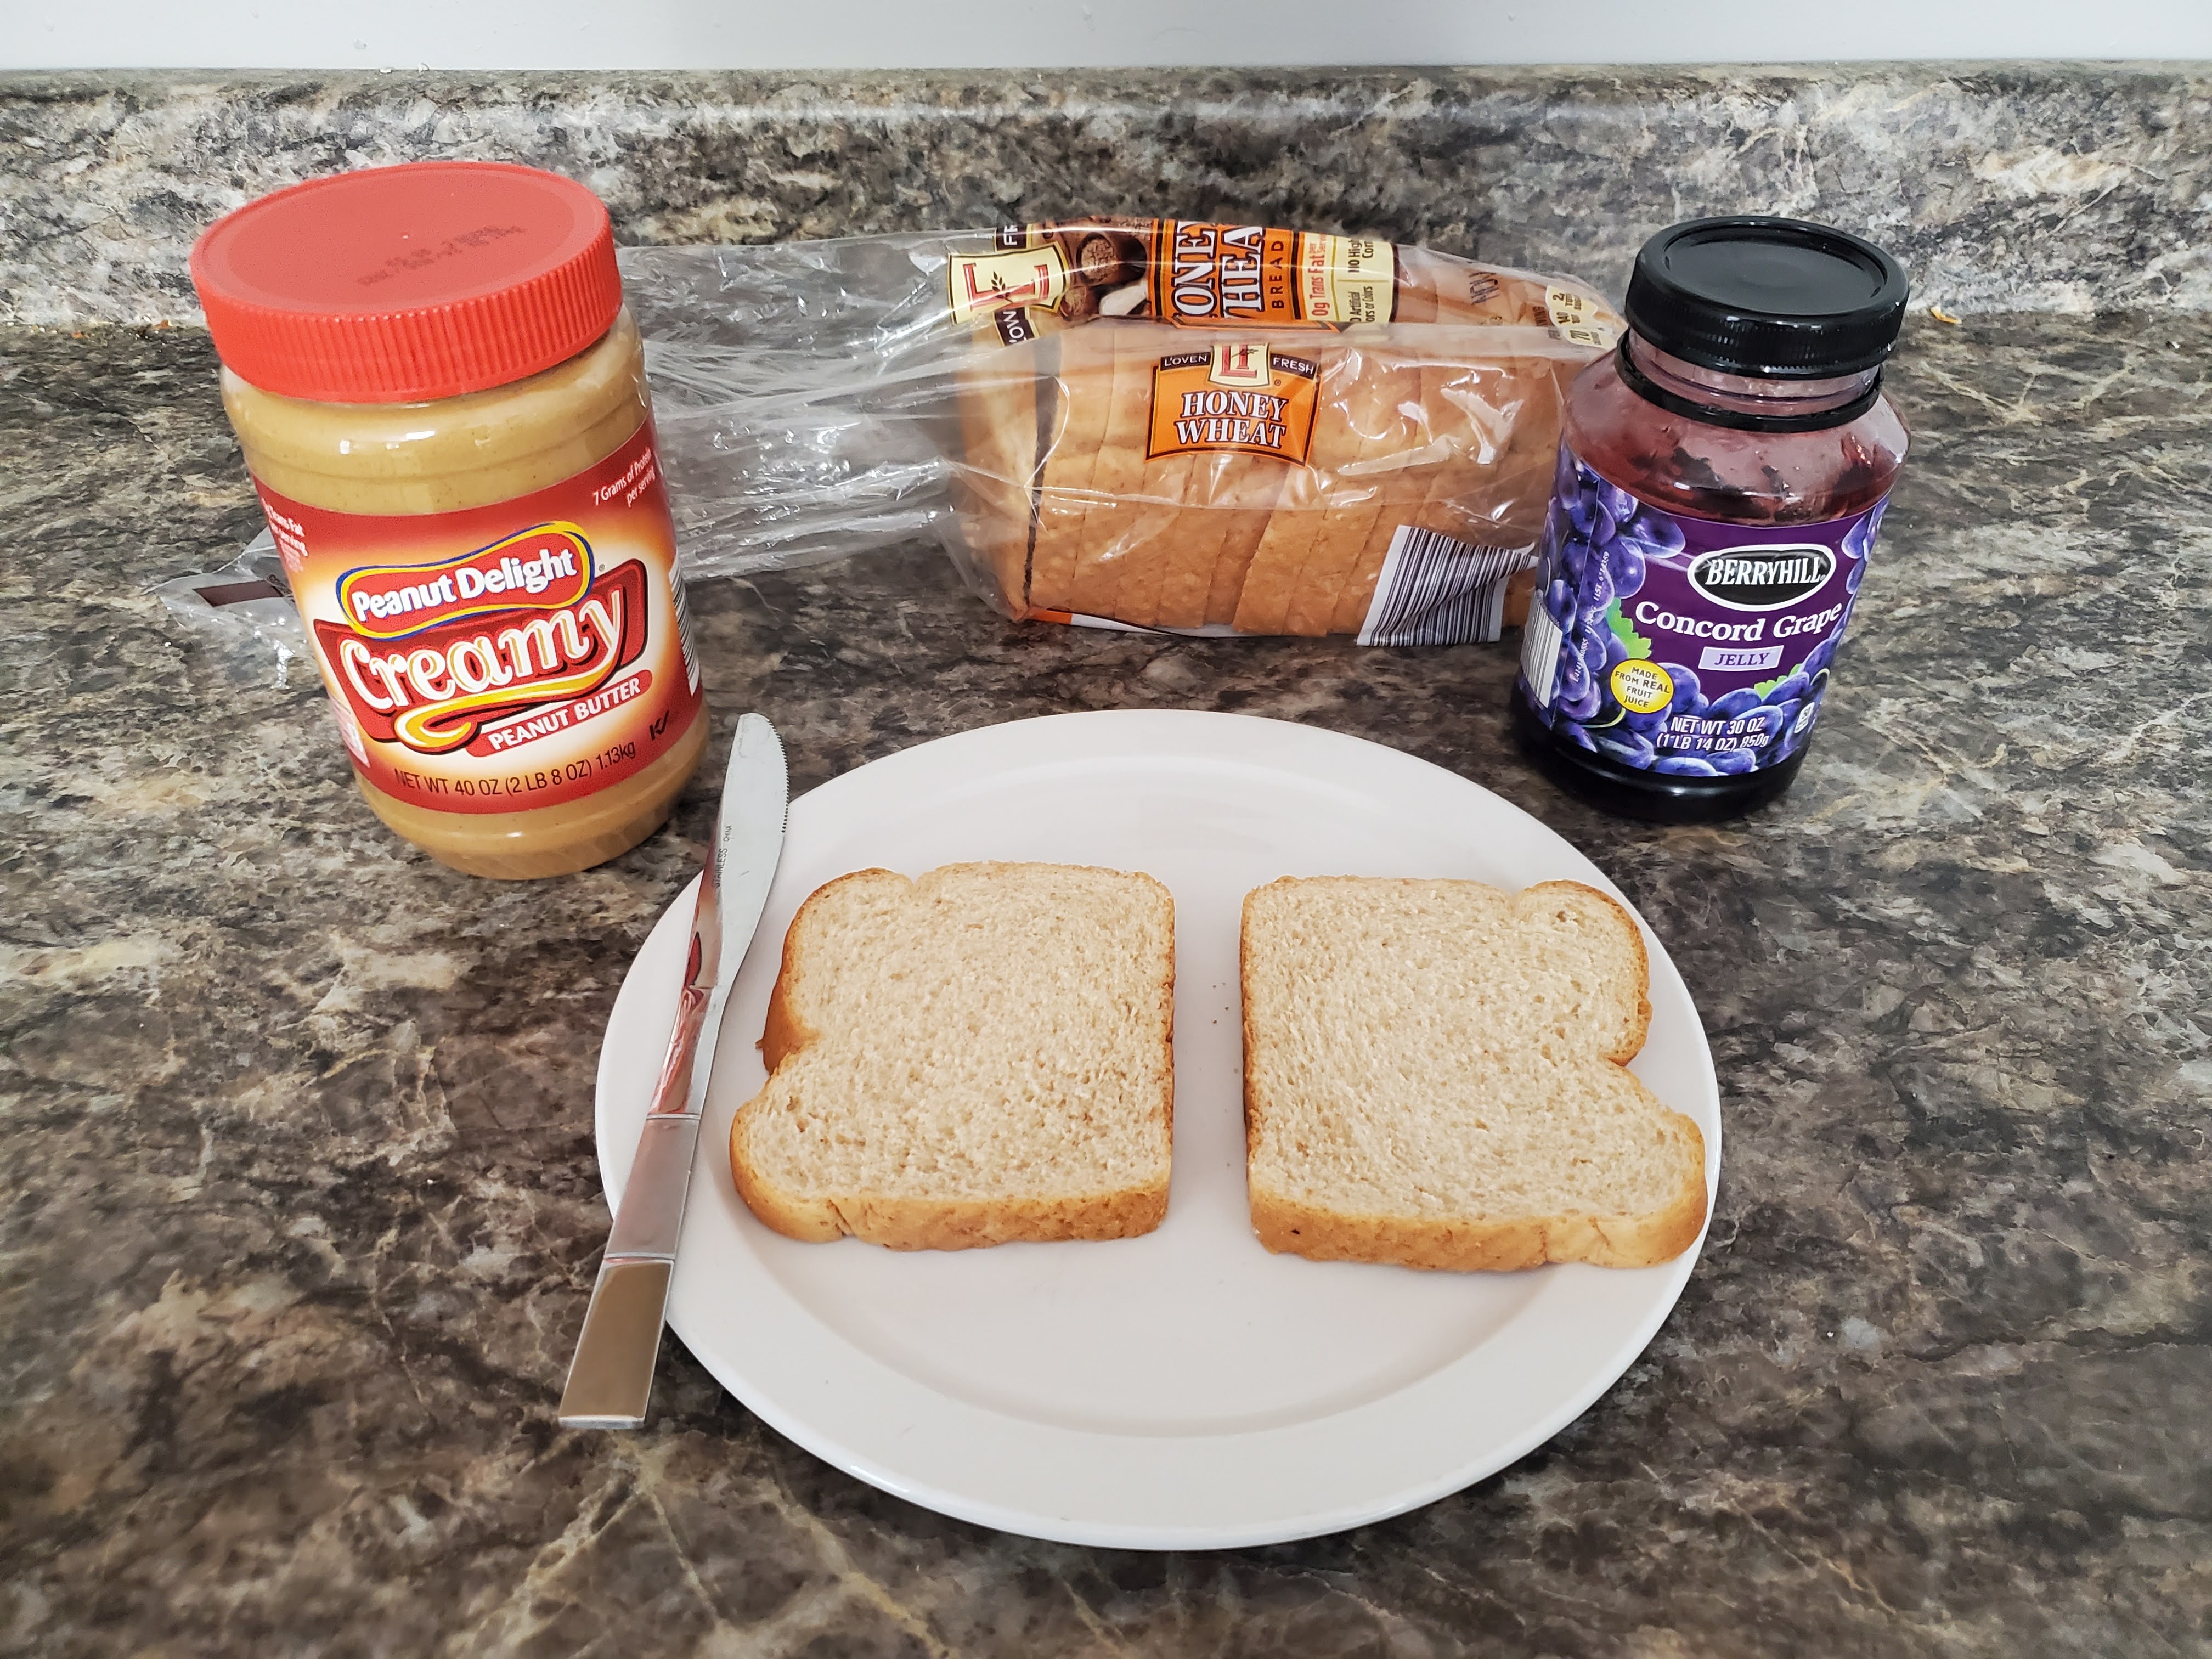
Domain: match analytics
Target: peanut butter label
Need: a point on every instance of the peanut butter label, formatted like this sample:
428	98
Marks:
506	657
1244	397
545	568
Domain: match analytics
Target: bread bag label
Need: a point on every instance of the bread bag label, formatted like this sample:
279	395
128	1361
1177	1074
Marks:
1578	318
1017	279
1189	273
1684	646
1244	396
507	657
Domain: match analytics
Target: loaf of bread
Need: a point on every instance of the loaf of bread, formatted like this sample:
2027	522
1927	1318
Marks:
1143	454
1435	1076
982	1055
1444	434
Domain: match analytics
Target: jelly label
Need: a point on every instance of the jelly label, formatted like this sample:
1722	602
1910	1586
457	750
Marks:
505	657
1677	645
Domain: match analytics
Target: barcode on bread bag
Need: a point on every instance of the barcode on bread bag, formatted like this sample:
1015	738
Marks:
1539	652
1435	589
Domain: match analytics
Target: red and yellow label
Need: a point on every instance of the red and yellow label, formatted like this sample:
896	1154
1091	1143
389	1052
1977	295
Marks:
507	657
1206	275
1185	272
1245	396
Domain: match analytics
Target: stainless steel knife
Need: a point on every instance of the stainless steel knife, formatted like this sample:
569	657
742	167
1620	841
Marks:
611	1378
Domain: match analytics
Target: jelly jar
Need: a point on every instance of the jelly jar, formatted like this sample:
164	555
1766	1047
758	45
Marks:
1721	477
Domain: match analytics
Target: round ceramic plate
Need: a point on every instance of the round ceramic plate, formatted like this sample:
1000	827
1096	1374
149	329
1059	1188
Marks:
1186	1390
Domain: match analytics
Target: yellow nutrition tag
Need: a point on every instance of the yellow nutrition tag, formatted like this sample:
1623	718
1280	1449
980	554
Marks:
1642	688
1346	279
1574	315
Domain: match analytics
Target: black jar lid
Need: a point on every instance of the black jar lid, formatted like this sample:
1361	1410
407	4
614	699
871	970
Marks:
1772	299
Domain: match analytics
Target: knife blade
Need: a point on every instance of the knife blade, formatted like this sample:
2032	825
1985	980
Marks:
611	1378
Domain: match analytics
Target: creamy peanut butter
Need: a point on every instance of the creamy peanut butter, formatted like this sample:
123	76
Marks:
443	405
478	451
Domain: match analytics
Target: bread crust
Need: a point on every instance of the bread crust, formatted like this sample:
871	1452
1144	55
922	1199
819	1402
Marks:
902	1222
914	1223
1289	1226
1068	453
998	408
1632	1045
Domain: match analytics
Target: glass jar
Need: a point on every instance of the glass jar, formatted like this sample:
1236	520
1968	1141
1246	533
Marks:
1721	477
442	402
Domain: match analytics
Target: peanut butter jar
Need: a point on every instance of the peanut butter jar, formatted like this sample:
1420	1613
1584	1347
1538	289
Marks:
442	401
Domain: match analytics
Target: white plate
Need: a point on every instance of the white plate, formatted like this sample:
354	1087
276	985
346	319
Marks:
1186	1390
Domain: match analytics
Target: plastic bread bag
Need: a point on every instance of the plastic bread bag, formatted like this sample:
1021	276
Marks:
244	612
1149	423
1132	422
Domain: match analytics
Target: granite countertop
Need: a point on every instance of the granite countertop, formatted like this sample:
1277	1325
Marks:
2003	186
301	1208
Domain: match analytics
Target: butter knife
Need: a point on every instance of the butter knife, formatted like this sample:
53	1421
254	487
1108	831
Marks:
611	1379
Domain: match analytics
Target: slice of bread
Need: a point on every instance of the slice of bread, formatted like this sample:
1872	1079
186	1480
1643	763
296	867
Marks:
982	1055
1434	1077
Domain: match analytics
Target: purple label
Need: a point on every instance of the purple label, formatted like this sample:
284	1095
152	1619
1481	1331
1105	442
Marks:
1678	645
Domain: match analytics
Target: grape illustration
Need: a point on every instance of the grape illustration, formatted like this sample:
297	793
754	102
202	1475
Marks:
1560	601
1574	560
1596	585
1858	540
1686	698
1733	705
1685	766
1730	760
1619	505
1776	718
1574	672
1629	747
1790	690
1566	479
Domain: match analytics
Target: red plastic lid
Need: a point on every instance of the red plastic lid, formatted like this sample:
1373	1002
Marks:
405	283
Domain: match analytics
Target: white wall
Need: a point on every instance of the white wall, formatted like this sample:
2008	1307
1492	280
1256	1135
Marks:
981	33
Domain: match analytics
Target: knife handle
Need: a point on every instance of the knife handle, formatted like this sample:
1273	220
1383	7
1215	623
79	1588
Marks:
611	1379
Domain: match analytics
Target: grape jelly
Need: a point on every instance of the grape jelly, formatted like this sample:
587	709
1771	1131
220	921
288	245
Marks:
1720	481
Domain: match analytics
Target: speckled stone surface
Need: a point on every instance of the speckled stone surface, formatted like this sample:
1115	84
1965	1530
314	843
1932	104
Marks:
2024	187
298	1207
